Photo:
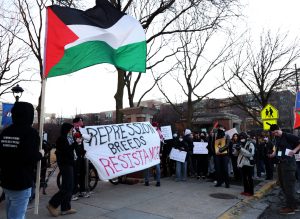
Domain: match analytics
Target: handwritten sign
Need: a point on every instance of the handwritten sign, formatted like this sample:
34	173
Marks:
119	149
178	155
231	132
200	148
166	132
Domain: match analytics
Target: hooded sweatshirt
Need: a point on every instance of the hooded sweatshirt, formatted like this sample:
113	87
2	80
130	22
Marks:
19	149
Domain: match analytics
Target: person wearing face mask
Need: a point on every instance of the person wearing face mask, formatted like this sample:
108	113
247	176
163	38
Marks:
65	146
201	160
245	162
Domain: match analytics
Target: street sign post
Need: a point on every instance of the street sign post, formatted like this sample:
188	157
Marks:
269	115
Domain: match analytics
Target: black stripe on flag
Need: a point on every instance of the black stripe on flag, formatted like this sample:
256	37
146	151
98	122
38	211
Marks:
103	15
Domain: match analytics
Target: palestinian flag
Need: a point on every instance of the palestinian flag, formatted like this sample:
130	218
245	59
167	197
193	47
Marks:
297	119
78	39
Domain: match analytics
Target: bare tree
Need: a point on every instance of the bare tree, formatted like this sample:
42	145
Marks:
260	71
12	56
195	68
159	19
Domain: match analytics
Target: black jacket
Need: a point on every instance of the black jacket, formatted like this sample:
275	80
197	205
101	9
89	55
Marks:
65	149
19	149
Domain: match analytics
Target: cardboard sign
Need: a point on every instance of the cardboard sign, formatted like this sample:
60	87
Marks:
219	143
200	148
166	132
178	155
231	132
119	149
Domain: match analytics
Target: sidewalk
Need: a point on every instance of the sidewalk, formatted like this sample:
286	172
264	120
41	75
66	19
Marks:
190	199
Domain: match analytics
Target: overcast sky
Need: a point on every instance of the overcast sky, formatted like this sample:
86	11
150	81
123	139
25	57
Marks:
93	89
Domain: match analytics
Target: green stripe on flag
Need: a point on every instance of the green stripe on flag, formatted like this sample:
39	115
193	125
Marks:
96	52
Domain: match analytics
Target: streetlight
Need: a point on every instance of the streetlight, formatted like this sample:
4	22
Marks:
17	92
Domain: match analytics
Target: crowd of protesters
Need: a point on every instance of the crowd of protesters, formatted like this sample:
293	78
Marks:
241	158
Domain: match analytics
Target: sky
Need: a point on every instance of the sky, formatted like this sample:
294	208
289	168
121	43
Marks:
92	89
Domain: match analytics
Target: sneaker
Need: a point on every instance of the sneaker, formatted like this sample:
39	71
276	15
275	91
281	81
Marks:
296	209
84	194
71	211
74	198
146	183
286	211
157	184
53	211
298	191
198	177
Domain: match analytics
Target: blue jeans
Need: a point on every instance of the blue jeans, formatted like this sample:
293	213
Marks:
157	173
16	203
181	169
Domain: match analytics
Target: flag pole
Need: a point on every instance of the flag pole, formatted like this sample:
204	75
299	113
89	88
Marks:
41	129
41	124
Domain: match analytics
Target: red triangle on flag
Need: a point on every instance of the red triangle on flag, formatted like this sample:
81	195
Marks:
58	34
297	119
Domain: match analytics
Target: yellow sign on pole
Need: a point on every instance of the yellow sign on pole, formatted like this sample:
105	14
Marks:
268	123
269	112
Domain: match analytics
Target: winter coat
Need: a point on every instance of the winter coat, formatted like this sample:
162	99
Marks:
19	149
245	154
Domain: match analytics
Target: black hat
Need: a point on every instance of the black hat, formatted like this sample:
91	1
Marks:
274	127
243	135
77	119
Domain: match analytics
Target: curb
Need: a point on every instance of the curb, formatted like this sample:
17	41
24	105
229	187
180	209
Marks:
242	206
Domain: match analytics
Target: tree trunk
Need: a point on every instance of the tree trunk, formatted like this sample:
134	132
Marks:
119	95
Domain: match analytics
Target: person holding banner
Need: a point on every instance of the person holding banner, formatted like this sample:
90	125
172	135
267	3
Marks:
157	166
65	147
19	154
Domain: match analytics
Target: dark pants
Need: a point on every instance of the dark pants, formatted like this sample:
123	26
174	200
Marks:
259	167
222	169
269	168
63	197
247	179
236	170
287	180
200	163
79	176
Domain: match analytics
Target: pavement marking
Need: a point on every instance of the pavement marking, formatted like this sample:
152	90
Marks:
239	208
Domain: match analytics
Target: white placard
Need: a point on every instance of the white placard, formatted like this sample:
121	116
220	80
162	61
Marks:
119	149
178	155
200	148
231	132
166	132
297	157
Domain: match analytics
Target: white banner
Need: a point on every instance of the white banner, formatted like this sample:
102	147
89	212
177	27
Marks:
120	149
200	148
178	155
166	132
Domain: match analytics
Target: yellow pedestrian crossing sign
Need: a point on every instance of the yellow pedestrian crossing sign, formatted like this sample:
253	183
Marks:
268	123
269	112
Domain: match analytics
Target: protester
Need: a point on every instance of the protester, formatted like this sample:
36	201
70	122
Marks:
19	154
65	147
181	167
287	145
260	157
269	152
245	152
188	140
157	166
200	160
221	158
232	145
80	163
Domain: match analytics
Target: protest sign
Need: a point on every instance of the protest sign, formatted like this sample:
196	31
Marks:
166	132
120	149
200	148
220	144
178	155
231	132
